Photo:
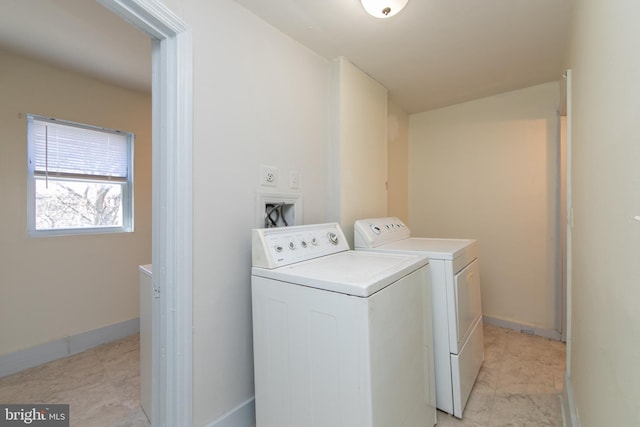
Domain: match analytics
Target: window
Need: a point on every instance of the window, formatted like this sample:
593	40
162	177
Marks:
80	178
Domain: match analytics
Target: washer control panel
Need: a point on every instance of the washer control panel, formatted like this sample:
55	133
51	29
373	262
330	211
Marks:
280	246
373	232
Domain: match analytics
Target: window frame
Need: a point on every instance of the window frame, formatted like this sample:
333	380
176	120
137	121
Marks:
127	187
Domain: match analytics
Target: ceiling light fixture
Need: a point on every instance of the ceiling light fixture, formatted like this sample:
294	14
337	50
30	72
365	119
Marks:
383	8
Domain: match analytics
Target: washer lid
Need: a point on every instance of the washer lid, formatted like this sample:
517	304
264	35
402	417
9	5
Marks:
351	272
447	249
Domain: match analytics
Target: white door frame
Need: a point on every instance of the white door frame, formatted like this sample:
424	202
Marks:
172	206
569	227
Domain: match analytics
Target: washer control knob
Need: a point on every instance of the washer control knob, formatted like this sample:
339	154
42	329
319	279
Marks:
303	244
292	246
278	248
314	241
333	238
375	229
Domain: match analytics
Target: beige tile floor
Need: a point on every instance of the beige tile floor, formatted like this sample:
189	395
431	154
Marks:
519	384
101	385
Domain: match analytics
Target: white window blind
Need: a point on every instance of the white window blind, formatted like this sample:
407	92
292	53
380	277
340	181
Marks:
63	150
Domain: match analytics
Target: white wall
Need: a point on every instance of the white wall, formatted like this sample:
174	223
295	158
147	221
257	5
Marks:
483	170
259	98
359	146
605	342
55	287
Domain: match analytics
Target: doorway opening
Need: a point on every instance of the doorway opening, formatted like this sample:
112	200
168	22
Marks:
172	90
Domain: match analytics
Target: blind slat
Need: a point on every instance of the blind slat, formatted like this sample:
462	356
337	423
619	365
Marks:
75	150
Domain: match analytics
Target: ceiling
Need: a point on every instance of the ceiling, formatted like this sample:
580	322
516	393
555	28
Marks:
432	54
78	34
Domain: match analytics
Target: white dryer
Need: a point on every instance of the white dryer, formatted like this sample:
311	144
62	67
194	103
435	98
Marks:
458	337
341	338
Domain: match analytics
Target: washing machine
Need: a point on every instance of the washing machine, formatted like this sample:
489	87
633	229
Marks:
457	310
341	338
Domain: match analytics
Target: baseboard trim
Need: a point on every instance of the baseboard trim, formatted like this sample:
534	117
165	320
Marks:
42	353
523	327
243	415
569	414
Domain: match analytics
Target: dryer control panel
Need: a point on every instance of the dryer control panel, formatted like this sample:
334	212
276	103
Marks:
280	246
373	232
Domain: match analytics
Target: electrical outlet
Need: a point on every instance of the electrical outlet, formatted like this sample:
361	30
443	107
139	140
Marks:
294	179
269	176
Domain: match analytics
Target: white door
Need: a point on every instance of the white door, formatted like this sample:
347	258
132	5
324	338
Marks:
468	303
